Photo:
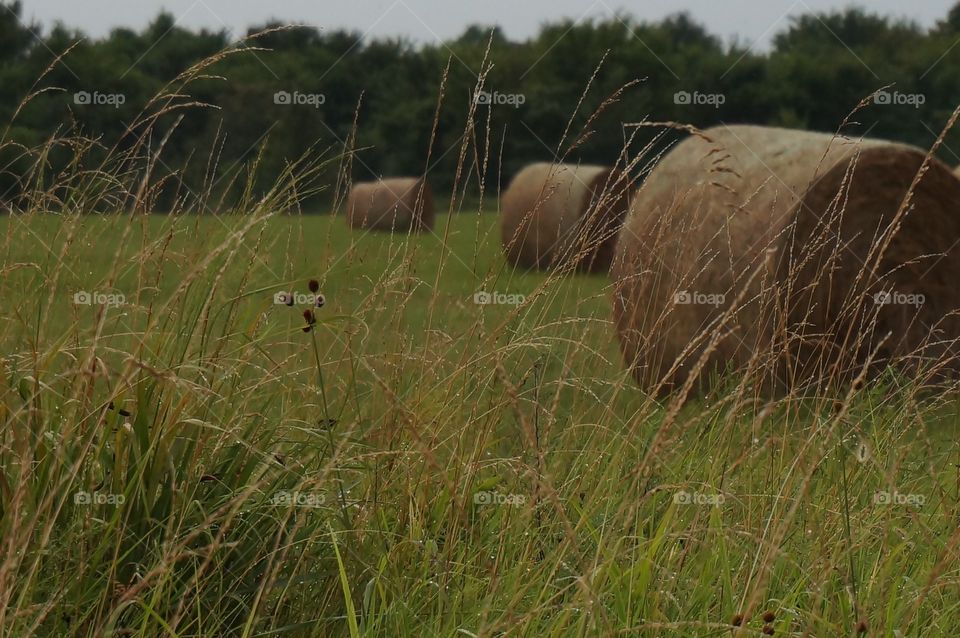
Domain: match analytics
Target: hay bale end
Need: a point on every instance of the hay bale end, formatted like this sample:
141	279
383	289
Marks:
398	203
554	215
788	254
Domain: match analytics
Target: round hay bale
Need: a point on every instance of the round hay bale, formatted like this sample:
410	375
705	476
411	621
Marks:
786	254
398	203
553	215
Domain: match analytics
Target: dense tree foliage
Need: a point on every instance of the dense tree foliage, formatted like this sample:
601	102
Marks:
290	93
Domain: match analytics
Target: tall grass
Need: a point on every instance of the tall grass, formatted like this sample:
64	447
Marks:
189	461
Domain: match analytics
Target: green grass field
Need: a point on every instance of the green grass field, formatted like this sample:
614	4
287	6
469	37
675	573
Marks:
190	462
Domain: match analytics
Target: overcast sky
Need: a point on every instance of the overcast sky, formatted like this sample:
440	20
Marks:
428	20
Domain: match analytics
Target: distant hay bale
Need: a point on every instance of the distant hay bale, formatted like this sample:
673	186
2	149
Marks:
558	214
781	253
399	203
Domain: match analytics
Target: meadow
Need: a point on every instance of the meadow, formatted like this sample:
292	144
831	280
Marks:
183	456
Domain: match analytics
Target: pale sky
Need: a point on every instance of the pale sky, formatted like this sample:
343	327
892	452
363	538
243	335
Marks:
754	21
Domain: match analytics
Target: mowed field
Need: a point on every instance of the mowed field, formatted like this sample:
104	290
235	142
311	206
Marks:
181	458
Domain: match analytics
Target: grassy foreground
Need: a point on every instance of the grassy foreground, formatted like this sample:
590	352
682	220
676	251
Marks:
180	458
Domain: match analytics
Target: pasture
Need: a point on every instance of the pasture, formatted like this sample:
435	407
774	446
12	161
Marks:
181	458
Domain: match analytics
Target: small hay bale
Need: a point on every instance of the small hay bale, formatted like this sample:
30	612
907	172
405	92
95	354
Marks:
769	251
398	203
553	215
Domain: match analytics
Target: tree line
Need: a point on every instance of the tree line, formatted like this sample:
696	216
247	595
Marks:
573	91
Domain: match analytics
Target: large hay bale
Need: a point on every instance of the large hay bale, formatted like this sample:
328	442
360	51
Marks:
770	251
399	203
553	215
